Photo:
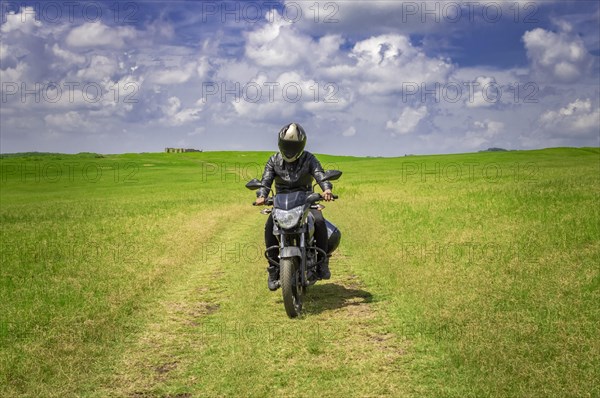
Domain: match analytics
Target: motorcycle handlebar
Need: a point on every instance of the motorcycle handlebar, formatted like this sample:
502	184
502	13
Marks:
269	200
333	196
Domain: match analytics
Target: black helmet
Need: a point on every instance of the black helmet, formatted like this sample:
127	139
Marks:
292	140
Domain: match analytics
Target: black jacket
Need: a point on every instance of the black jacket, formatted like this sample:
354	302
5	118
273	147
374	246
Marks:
294	176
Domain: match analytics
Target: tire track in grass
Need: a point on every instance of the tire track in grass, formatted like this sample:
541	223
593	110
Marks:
76	353
340	347
150	357
220	332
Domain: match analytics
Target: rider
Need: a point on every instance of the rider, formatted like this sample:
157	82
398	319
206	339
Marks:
293	170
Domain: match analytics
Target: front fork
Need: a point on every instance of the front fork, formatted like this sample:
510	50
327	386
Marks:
287	249
303	260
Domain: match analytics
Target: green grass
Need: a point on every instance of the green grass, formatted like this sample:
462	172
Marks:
141	275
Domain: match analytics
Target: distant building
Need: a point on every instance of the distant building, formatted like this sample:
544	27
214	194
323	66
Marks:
180	150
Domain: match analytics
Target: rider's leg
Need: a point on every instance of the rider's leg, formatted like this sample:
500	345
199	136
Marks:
321	240
271	240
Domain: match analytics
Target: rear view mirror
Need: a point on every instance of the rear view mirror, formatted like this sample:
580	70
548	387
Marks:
332	175
254	184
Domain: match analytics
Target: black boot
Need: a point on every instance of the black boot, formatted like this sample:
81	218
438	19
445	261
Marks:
324	272
273	280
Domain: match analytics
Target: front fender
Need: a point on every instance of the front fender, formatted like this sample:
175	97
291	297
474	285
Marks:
290	251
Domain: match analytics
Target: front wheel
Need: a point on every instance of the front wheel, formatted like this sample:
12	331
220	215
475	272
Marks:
291	286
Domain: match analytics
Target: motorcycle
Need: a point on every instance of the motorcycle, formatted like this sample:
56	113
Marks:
293	225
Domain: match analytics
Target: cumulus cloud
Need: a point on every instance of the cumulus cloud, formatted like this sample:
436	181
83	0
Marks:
482	132
175	115
15	74
489	127
351	75
385	63
97	34
273	45
100	68
71	121
576	118
484	93
331	78
3	51
203	67
278	43
349	132
23	21
559	56
263	111
408	120
67	56
175	75
357	19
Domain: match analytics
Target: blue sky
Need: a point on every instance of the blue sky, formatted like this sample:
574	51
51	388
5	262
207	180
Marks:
363	78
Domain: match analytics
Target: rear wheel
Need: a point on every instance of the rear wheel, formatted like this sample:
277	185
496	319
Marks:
291	286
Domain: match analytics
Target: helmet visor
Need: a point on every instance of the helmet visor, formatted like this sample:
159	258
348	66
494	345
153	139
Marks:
290	150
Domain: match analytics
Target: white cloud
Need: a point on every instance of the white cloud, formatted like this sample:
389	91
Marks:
71	121
385	63
24	21
383	49
489	127
357	19
368	56
331	100
100	68
275	44
278	43
172	107
16	74
577	118
408	120
185	116
197	131
176	116
68	56
3	51
120	96
237	71
203	67
483	132
560	56
349	132
96	34
176	75
484	93
264	110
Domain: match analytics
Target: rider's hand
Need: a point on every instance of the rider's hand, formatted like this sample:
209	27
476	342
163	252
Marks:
260	201
327	195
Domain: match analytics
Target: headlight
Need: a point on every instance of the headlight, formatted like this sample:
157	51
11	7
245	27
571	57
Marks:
288	218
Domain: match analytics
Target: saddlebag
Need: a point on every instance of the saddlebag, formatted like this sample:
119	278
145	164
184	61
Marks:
333	237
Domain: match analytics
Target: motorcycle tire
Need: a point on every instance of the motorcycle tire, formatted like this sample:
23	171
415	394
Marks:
291	287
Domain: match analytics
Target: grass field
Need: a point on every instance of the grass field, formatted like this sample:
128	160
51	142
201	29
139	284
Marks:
141	275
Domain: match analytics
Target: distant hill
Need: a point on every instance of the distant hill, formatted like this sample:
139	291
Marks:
494	150
56	154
